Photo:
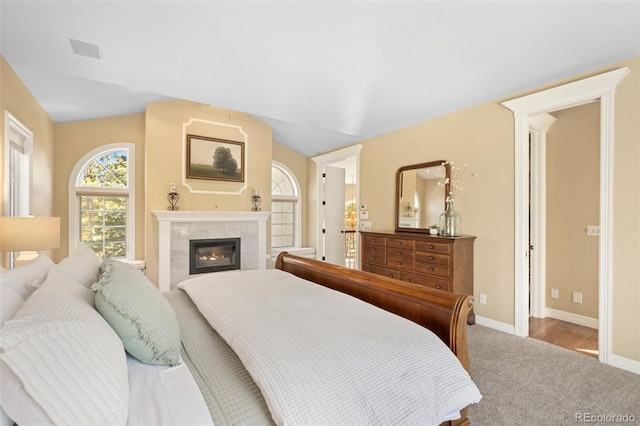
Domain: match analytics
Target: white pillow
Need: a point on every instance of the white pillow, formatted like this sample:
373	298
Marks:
10	302
66	357
26	278
83	265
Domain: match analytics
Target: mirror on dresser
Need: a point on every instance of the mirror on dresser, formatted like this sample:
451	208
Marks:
420	195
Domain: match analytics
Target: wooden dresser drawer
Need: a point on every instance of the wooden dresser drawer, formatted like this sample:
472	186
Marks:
373	257
425	280
432	258
400	243
400	253
400	263
379	270
431	268
430	247
379	250
374	241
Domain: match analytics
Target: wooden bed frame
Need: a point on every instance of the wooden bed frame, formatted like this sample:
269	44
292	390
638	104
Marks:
443	313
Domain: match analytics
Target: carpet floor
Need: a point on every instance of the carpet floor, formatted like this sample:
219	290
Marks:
528	382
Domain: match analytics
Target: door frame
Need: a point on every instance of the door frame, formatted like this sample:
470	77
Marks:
325	160
539	126
600	87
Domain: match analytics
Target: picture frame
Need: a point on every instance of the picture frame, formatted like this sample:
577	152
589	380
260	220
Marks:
215	159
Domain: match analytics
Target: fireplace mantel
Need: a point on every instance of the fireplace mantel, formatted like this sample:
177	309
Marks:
168	218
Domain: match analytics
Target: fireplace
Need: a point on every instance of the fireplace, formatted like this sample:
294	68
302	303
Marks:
213	255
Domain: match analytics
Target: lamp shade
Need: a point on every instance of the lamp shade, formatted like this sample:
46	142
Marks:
29	233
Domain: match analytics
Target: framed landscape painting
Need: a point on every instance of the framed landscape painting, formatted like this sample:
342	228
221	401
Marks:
214	159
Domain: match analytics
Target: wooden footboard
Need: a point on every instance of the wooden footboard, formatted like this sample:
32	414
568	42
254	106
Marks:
443	313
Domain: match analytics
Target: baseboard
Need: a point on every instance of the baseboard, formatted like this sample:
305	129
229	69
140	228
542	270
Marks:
625	363
496	325
572	318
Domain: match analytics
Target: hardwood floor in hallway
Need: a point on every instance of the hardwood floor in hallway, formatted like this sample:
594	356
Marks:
565	334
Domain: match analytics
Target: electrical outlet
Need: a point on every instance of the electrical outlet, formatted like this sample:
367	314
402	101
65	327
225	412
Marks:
364	214
365	224
554	293
593	230
483	299
577	297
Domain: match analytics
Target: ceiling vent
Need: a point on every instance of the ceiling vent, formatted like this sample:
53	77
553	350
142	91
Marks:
85	49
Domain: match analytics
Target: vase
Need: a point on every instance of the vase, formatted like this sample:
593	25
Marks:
450	223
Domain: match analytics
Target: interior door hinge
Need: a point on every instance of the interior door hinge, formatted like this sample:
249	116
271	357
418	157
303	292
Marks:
324	231
324	203
324	258
324	175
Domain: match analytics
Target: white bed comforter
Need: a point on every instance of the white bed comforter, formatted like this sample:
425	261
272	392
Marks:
322	357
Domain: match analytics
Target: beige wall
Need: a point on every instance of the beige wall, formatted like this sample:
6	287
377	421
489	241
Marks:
18	100
165	148
73	141
483	137
626	215
573	191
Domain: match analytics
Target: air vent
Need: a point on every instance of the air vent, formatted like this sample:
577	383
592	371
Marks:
83	48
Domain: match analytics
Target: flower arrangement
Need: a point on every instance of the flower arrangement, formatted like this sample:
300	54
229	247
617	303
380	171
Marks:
459	177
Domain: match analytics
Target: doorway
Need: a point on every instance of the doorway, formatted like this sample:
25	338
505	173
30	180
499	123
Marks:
564	178
346	210
600	87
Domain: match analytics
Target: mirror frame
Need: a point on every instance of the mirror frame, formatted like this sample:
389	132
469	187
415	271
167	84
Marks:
399	188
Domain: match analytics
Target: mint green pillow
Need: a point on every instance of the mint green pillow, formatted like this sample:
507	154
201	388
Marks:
139	314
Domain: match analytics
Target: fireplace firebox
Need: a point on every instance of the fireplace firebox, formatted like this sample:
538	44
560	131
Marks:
213	255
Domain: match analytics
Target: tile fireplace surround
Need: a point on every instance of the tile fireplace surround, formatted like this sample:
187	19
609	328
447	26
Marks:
176	228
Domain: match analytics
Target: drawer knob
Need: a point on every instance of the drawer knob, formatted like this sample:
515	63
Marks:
431	246
431	268
373	258
438	286
408	280
373	249
399	263
431	257
399	253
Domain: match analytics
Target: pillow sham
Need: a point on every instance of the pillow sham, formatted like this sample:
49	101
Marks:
83	265
24	279
137	311
65	356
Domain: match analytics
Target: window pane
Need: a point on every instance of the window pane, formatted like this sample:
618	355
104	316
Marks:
103	224
109	171
282	224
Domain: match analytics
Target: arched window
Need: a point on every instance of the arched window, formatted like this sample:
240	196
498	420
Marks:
285	207
102	201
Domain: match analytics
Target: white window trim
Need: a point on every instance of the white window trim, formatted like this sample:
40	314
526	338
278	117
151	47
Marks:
25	179
297	240
74	190
12	124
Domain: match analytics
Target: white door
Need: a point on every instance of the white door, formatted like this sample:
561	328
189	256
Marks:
334	215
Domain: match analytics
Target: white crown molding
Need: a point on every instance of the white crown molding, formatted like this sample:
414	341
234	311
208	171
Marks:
580	92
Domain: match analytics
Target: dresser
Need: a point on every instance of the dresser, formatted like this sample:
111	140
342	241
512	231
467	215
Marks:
444	263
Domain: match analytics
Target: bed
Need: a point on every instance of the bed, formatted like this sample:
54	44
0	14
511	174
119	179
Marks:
253	368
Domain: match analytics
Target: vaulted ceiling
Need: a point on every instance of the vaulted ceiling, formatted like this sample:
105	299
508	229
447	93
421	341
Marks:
322	74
